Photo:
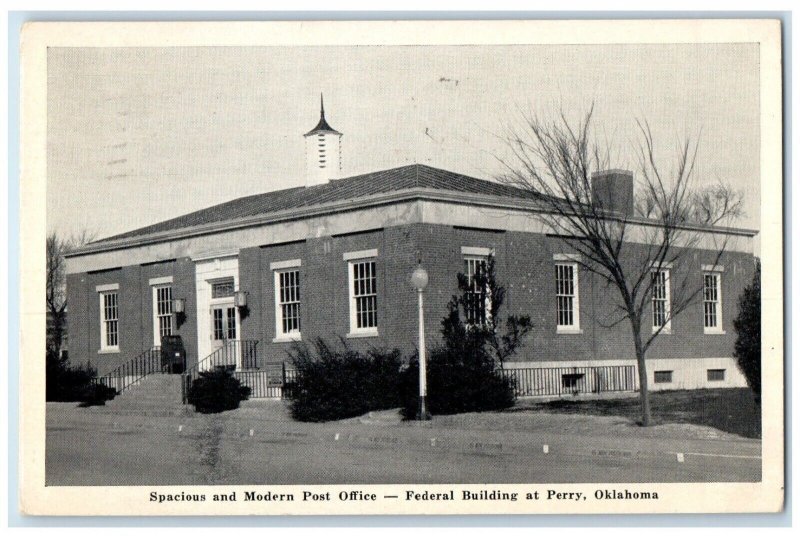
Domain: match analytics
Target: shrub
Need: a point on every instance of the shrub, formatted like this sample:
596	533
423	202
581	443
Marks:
65	383
216	391
747	324
463	374
97	394
458	382
332	383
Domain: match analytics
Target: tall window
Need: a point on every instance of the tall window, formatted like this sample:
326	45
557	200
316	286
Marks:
363	296
712	314
162	312
567	311
476	298
661	309
287	302
109	320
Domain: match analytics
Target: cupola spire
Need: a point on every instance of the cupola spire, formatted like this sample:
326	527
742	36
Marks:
323	151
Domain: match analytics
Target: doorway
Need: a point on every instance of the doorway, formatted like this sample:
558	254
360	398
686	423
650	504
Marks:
224	332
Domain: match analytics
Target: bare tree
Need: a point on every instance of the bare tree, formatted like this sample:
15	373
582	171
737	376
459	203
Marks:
628	244
56	286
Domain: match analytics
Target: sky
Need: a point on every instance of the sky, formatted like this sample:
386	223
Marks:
140	135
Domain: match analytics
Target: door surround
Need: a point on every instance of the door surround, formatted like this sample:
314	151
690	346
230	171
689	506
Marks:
208	271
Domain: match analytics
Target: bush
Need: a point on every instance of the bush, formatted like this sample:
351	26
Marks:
97	394
65	383
216	391
457	383
332	384
747	324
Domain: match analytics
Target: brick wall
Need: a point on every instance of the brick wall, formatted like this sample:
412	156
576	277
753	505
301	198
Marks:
524	265
135	298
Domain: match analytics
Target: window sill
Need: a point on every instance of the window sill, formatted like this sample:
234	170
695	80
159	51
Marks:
108	351
713	331
566	330
663	331
287	338
363	334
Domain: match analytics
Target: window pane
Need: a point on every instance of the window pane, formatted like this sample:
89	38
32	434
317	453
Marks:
565	294
222	288
289	301
218	333
663	376
231	314
711	300
365	295
660	299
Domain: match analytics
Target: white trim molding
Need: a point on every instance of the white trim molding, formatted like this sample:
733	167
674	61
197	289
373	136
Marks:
360	254
107	287
215	256
567	258
708	268
477	251
160	280
287	264
666	265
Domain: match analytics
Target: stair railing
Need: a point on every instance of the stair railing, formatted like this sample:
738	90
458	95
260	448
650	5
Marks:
233	352
130	373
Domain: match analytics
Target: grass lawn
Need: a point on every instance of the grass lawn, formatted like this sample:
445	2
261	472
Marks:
730	410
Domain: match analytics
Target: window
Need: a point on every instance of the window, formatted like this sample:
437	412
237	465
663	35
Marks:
712	313
162	312
287	303
661	308
567	312
222	288
476	298
662	376
570	382
109	320
363	297
716	374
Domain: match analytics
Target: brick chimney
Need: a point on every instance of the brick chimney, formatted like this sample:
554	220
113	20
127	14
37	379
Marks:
613	190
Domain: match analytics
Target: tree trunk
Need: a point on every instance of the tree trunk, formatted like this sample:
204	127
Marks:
644	393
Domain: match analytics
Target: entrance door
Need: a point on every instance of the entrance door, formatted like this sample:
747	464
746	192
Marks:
224	331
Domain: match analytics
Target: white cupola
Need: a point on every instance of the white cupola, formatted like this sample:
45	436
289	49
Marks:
323	151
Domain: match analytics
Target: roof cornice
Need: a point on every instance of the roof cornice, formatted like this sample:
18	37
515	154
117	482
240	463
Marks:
399	196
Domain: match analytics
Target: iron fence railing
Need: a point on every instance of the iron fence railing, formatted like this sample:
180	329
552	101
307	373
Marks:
271	380
233	354
571	380
128	374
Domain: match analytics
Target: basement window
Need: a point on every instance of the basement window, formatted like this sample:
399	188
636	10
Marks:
662	376
570	381
716	374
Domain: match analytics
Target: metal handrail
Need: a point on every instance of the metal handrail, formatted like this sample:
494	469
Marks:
128	374
243	352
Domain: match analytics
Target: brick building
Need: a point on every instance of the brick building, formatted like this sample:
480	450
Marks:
333	259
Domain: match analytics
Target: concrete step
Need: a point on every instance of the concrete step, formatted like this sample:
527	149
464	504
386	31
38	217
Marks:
154	392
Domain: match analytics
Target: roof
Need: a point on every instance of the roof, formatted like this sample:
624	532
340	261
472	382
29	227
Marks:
415	176
322	126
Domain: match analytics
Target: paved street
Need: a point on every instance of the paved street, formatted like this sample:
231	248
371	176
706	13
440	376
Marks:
261	446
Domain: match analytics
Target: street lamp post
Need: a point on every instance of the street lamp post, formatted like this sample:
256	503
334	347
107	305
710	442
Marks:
419	279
